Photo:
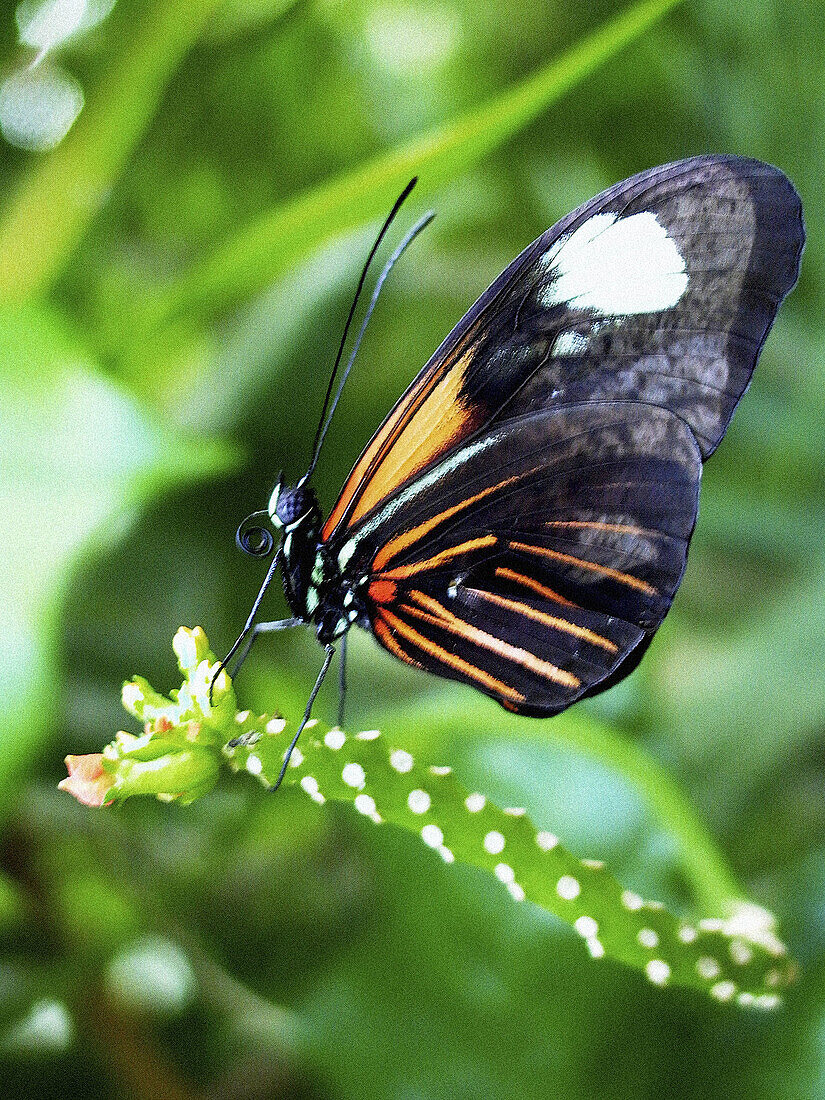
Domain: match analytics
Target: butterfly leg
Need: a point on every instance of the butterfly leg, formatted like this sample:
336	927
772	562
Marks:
262	628
342	680
329	653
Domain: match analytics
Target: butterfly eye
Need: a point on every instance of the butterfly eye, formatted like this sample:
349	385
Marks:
254	540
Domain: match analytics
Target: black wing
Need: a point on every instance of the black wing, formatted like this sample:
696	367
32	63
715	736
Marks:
599	369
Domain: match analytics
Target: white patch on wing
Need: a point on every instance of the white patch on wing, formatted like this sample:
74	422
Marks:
570	343
615	266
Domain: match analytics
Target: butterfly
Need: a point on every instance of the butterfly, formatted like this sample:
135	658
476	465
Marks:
520	521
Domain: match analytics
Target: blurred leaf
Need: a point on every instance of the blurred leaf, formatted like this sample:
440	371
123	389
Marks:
79	459
755	696
59	196
259	252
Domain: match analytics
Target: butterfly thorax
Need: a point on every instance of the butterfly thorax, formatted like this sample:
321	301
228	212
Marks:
315	587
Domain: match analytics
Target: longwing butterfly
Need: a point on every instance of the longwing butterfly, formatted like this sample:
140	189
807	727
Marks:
521	519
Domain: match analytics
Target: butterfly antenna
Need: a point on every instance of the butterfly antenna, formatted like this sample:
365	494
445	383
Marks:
422	223
323	420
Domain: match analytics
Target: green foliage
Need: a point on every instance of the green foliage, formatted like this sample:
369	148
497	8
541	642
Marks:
174	277
732	956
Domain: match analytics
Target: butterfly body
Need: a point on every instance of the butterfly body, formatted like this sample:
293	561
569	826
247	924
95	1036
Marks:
520	521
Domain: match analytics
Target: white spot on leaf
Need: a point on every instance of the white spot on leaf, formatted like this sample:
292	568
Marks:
568	888
402	761
353	775
657	971
586	927
546	841
418	801
335	740
494	842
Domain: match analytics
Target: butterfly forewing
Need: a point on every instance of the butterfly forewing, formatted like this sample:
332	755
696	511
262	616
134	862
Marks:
521	519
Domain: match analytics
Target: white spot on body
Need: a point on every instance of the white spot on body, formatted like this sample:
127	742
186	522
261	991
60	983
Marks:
345	553
368	735
475	803
494	842
505	873
593	864
254	765
515	891
353	775
648	938
402	761
687	934
335	739
297	758
723	991
546	841
242	716
615	266
657	971
276	725
515	811
587	927
632	901
440	769
595	947
432	836
568	888
418	801
446	854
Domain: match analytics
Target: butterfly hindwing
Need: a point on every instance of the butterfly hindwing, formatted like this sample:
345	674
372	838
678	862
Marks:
534	560
521	519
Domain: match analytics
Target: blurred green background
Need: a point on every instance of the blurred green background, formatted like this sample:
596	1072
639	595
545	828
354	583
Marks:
174	275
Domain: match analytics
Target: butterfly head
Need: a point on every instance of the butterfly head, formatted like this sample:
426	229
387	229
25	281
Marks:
293	507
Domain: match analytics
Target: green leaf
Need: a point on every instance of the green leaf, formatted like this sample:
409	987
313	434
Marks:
63	191
732	955
260	252
79	458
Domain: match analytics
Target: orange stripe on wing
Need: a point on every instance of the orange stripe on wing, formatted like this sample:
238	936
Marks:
440	616
452	660
428	420
385	636
401	542
529	582
438	559
605	570
549	620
